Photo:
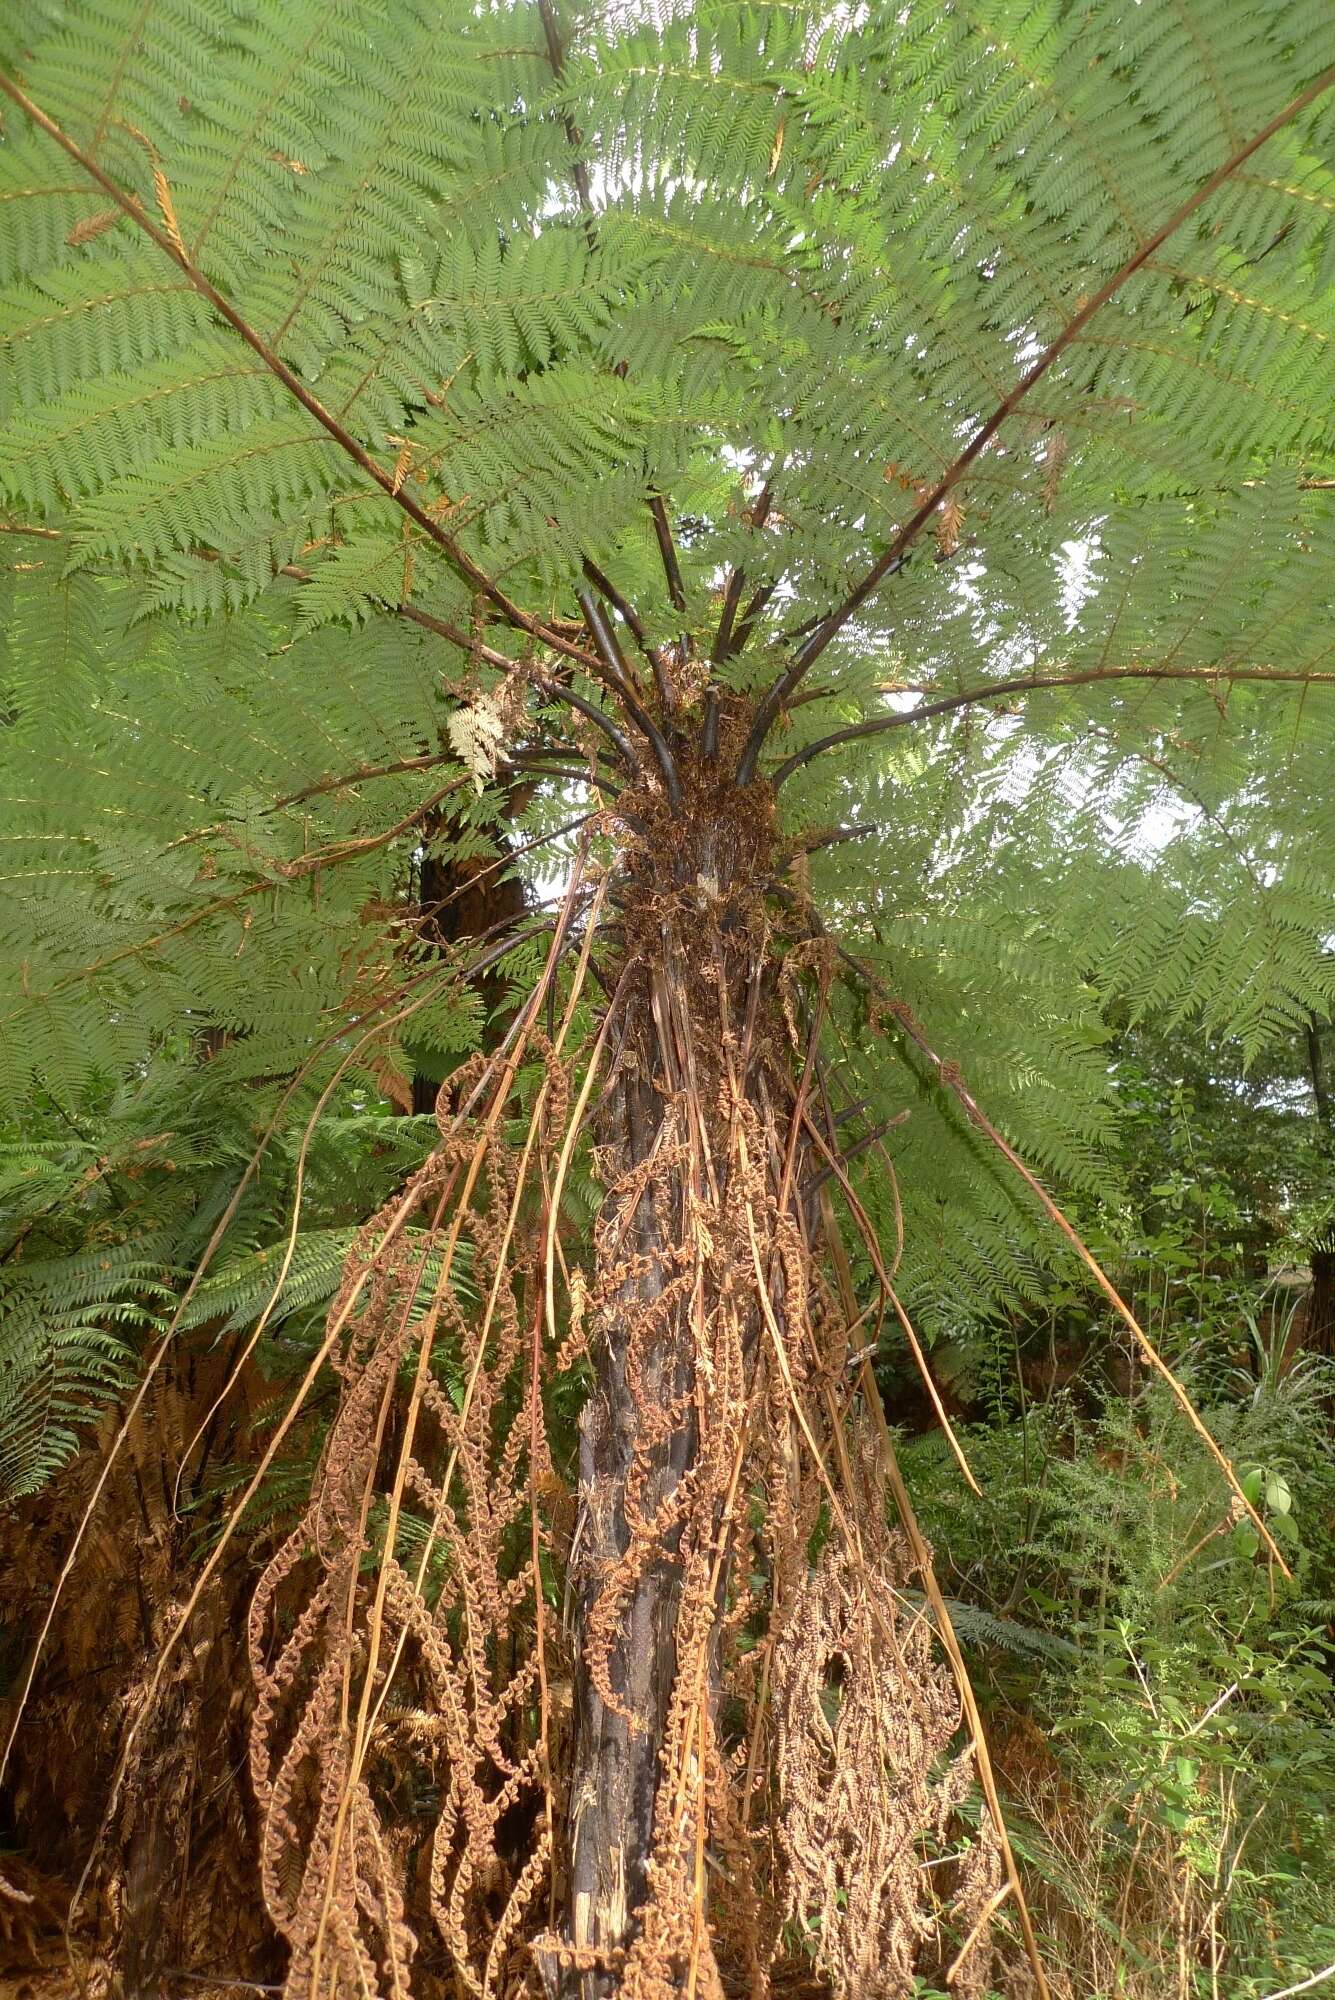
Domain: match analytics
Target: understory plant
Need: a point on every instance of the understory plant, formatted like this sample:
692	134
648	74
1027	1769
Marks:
1160	1702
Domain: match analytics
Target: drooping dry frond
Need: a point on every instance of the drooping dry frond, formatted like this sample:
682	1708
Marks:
402	1580
865	1718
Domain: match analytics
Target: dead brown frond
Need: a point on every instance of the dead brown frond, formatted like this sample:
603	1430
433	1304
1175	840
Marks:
717	1767
865	1719
404	1575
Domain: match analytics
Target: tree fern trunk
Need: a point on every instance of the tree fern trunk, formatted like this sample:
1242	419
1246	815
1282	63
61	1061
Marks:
686	1145
157	1847
617	1751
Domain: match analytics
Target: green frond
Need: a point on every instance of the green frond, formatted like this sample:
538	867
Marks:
56	1371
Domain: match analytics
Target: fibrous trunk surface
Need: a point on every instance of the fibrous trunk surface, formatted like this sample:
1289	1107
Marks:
672	1419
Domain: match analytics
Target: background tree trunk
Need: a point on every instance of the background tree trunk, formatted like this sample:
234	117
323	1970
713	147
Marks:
459	899
1320	1331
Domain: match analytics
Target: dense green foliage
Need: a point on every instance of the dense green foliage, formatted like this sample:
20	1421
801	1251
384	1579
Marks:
1176	1806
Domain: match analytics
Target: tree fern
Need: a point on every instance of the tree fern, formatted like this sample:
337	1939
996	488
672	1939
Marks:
874	469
